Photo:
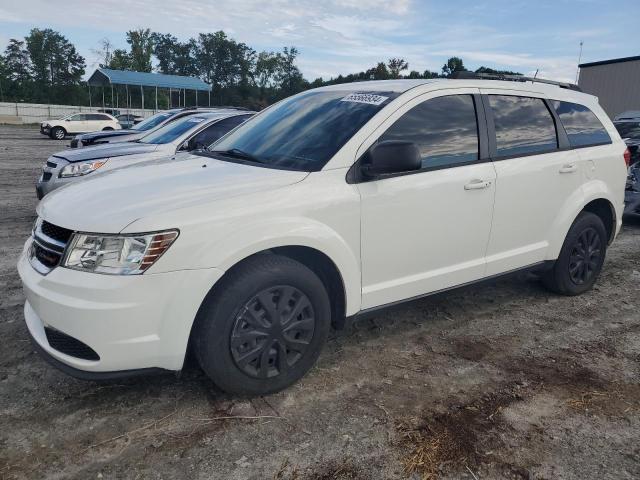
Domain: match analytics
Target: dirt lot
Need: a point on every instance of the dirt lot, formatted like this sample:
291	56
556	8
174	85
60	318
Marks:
499	381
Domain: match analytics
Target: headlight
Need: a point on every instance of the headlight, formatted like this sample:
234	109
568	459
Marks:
81	168
117	254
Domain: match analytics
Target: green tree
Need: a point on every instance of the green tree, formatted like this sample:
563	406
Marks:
121	60
16	62
289	76
141	44
454	64
430	74
54	60
397	65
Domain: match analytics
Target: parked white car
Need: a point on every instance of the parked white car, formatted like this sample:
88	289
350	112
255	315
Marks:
78	123
332	204
189	133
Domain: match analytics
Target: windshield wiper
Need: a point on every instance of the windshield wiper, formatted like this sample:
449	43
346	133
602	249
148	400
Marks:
237	153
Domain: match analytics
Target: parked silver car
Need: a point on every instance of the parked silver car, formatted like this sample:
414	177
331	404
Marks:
139	130
192	132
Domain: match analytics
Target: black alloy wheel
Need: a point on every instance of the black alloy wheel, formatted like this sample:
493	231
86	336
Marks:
576	269
585	257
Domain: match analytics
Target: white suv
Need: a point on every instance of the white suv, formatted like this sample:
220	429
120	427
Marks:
78	123
331	204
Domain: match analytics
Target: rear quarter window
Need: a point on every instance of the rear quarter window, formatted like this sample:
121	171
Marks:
581	124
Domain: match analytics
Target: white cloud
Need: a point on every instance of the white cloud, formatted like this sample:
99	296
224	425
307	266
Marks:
333	36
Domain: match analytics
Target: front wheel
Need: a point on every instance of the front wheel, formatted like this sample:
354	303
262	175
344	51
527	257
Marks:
263	327
58	133
581	258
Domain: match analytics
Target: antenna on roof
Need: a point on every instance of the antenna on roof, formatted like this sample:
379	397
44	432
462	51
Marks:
579	60
536	74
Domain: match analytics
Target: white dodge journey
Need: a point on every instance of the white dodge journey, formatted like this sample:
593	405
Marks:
331	204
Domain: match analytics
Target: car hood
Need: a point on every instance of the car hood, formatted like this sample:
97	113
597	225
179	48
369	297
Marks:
108	133
105	151
110	201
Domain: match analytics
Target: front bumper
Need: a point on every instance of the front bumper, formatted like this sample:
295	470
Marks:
131	322
45	130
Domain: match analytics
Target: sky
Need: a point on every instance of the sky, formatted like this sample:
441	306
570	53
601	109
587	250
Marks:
347	36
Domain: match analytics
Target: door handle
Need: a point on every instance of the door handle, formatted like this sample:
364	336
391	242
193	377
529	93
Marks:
569	168
477	185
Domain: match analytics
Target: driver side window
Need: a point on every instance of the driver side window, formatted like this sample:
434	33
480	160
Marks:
444	129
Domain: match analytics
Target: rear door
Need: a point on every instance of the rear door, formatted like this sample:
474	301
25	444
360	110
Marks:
77	123
428	230
97	121
537	174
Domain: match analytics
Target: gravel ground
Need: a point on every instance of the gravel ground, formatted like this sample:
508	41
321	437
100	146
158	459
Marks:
499	381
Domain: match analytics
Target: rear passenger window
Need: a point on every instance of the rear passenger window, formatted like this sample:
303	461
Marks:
582	126
444	129
524	125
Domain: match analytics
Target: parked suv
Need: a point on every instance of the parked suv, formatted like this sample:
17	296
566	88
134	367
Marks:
189	133
78	123
332	204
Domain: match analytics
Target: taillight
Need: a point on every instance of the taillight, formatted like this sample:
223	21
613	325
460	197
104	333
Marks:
627	157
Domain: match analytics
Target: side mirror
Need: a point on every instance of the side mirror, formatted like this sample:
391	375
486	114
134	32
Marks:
390	157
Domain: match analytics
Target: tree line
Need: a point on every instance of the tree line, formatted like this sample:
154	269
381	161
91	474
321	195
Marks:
45	67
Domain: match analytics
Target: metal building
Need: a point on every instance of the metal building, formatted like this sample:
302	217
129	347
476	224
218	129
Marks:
615	82
105	77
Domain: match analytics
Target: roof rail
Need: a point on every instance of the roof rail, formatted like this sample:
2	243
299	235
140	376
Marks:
212	107
512	78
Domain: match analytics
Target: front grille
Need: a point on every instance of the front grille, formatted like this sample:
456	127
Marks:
74	143
48	258
48	246
69	346
57	233
46	176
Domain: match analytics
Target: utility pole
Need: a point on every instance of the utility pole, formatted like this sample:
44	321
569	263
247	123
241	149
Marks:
579	60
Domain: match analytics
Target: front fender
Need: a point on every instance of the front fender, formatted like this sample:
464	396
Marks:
264	235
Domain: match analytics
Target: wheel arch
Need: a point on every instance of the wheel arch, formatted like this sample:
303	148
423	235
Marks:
598	200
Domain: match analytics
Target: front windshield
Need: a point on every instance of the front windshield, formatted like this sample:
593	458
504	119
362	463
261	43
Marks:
172	131
302	132
152	121
629	129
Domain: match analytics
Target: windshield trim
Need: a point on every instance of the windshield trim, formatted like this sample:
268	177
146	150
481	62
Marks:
244	161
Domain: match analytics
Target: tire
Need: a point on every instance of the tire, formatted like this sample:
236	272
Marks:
237	343
106	129
58	133
581	257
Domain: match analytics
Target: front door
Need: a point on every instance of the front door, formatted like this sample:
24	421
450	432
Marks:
428	230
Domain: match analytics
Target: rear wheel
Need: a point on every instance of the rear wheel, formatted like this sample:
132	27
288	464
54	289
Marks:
263	327
58	133
581	257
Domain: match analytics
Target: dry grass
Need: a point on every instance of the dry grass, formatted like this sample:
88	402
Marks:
432	447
